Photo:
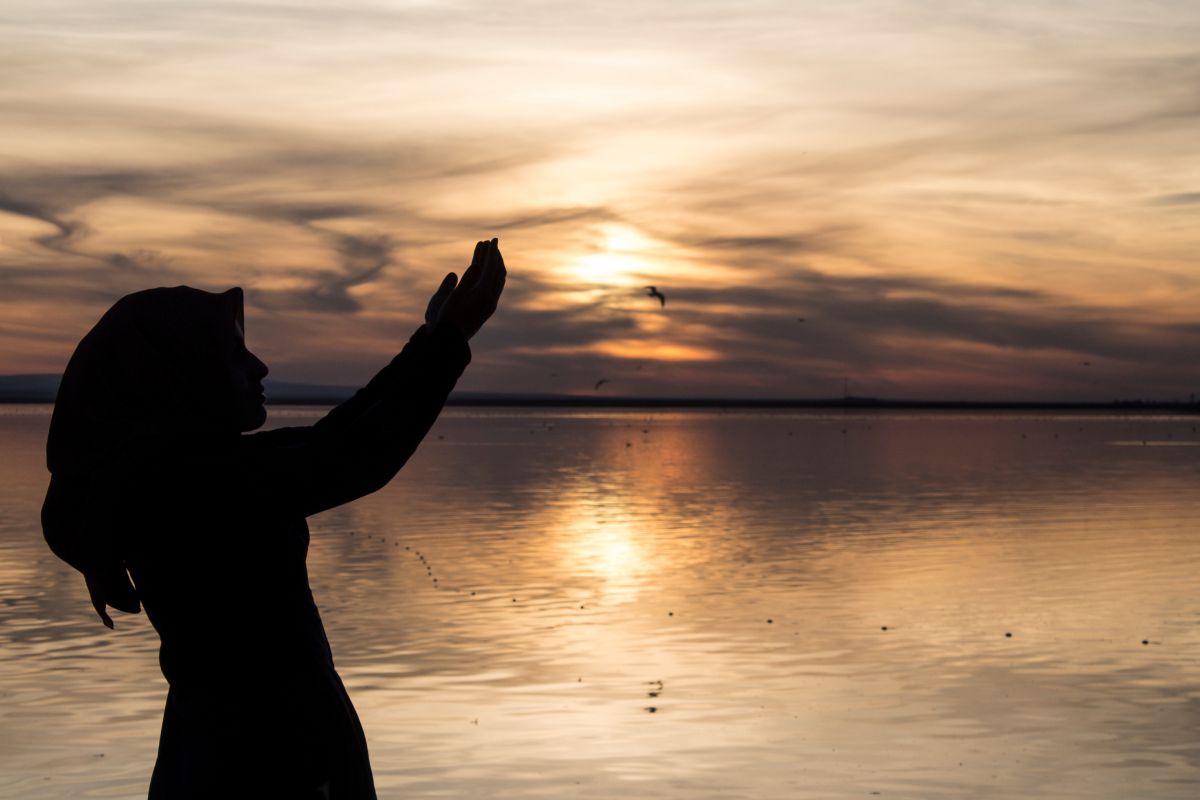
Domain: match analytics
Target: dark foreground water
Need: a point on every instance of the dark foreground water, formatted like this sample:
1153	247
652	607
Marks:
698	605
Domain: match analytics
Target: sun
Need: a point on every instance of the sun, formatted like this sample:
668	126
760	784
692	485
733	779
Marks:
621	259
609	269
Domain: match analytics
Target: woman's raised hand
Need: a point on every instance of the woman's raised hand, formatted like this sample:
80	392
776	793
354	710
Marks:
468	303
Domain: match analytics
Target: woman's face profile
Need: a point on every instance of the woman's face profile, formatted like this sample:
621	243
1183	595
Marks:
246	372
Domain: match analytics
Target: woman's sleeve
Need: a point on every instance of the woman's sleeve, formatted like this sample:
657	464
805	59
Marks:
360	445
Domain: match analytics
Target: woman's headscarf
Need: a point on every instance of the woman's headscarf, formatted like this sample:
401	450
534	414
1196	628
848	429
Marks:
154	368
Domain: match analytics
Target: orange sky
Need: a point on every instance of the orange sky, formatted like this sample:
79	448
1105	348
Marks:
960	199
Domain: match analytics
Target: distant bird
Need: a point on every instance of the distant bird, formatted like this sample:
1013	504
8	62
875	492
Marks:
600	383
801	319
652	291
1085	363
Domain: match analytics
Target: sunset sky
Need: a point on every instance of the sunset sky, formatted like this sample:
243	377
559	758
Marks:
960	199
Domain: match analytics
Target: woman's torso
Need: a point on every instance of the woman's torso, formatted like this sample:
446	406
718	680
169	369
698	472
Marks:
221	573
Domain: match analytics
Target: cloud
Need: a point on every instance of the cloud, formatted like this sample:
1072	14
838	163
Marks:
65	230
300	182
849	315
878	329
553	216
362	261
1179	199
753	243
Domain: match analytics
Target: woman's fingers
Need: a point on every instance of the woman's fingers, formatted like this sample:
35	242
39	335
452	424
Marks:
492	280
471	276
487	275
499	273
475	298
489	264
434	309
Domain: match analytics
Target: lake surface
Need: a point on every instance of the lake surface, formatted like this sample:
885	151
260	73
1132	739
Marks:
692	604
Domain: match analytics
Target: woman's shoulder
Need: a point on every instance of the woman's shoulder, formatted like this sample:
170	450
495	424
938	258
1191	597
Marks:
183	465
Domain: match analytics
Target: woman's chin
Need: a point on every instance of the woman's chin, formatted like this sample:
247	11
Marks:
254	419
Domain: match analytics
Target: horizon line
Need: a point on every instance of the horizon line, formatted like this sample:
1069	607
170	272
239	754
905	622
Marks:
44	388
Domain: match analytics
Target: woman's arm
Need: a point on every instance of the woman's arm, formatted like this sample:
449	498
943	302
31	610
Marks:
346	412
360	445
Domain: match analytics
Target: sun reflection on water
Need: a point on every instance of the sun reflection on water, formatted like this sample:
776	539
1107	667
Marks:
609	550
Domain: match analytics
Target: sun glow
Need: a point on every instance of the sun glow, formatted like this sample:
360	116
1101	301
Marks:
612	269
624	239
624	257
637	349
633	350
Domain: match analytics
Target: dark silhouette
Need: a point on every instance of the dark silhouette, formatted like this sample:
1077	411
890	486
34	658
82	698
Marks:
600	383
152	478
652	291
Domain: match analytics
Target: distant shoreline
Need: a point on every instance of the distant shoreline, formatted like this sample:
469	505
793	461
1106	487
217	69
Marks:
849	404
41	388
852	403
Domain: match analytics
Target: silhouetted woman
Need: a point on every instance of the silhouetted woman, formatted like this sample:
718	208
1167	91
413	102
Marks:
152	478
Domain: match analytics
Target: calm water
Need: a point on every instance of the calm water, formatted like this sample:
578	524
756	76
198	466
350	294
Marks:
691	605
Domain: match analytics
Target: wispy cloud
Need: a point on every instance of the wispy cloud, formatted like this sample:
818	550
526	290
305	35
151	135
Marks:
1178	199
362	261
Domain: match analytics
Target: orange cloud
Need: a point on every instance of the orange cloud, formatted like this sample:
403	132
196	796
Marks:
635	350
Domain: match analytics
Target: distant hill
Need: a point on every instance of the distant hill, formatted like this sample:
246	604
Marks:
41	388
36	388
284	393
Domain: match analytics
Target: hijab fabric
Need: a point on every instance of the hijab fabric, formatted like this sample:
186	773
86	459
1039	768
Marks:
153	372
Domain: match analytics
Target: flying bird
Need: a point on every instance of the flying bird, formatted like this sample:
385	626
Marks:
1085	363
600	383
652	291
